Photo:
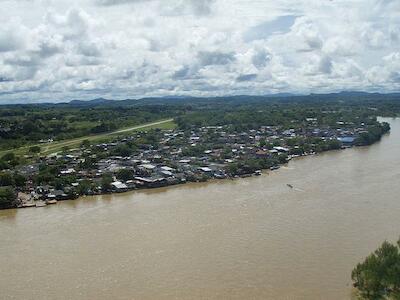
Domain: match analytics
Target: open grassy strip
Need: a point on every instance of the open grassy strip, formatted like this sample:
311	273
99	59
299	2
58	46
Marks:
58	146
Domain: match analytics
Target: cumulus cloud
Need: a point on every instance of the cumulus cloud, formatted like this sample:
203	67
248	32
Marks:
118	2
8	41
134	48
308	35
246	77
261	58
202	7
325	65
196	7
11	36
208	58
341	46
279	25
374	38
182	73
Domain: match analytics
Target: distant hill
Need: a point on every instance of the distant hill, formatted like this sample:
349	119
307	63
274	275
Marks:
98	101
238	99
176	100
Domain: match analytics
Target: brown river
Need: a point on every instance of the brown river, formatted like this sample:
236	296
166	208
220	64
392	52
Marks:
252	238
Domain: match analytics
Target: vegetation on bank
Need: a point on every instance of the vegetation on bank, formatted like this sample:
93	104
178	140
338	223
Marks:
8	197
234	136
22	125
56	146
378	276
172	157
25	125
373	135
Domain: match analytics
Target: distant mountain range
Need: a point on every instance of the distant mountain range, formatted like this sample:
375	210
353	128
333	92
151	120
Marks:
237	99
183	99
102	101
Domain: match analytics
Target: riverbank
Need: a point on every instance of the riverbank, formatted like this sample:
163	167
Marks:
153	159
29	203
41	203
232	239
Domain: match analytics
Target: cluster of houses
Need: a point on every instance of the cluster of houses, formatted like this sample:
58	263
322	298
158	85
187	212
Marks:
177	156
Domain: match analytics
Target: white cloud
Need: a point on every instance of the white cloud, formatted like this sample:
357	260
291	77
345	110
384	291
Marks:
261	58
133	48
11	36
341	46
307	33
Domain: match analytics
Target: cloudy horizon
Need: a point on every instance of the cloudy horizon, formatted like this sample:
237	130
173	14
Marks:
58	50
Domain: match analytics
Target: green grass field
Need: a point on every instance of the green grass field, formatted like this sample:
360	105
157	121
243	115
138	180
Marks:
55	147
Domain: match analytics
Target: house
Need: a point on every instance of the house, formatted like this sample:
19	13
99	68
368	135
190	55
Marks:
184	161
150	182
281	149
29	170
57	195
167	173
119	186
67	172
168	169
346	140
220	175
262	153
130	184
148	167
43	189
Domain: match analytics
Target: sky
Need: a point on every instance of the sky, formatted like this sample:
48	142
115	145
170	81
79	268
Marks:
59	50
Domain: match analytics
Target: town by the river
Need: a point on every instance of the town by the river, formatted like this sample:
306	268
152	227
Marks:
293	233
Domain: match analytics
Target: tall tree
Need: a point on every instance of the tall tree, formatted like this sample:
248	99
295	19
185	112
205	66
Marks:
7	197
378	277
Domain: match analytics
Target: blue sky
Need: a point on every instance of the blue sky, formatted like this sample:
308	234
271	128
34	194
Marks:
57	50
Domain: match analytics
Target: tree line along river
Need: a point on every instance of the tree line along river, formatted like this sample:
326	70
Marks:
253	238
